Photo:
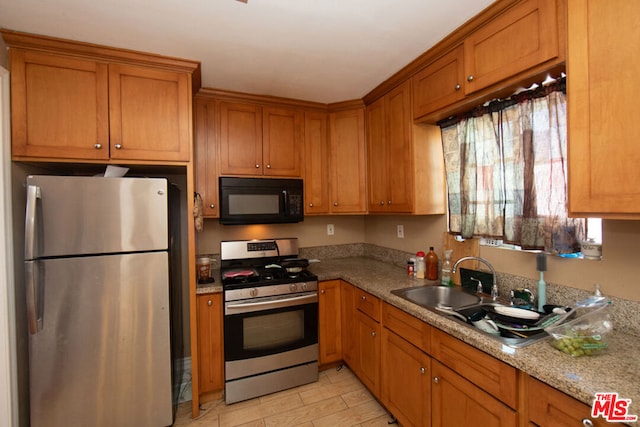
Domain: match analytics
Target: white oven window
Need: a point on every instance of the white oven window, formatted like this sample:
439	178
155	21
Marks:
254	204
273	330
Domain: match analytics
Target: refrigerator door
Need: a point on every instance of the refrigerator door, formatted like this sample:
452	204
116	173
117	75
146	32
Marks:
94	215
103	357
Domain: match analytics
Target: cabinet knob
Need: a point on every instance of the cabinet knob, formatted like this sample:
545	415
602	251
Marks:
422	370
257	166
457	87
470	78
212	205
322	291
381	202
335	203
97	146
118	146
436	380
310	205
268	166
209	303
388	202
373	334
363	298
587	422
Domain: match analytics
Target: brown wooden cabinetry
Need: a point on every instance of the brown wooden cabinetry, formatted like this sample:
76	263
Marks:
515	45
405	161
330	327
256	140
210	351
206	155
549	407
347	148
602	94
348	311
316	171
73	101
368	351
457	401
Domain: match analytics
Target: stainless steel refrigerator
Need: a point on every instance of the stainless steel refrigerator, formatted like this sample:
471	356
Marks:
97	268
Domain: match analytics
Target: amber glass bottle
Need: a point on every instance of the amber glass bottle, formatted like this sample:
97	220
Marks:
432	265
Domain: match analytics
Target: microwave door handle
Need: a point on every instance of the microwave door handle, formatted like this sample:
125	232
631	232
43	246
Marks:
286	201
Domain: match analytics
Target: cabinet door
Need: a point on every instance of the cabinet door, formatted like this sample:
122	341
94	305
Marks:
206	156
521	38
603	90
348	189
330	336
368	337
149	114
282	141
240	139
316	160
348	311
439	84
59	106
551	408
457	402
377	153
400	146
210	352
406	381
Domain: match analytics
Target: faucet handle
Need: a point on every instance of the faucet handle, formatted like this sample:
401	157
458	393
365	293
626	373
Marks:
479	288
494	292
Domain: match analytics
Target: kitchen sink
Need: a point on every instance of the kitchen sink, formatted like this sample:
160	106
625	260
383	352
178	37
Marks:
466	309
436	296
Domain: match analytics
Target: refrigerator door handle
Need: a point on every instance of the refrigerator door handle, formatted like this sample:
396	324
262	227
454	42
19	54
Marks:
33	194
34	299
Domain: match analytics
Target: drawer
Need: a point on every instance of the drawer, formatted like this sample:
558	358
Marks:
368	304
490	374
408	327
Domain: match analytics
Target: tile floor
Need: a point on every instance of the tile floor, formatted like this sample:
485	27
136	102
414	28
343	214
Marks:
338	399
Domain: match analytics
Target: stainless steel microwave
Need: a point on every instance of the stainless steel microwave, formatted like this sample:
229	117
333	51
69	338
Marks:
260	200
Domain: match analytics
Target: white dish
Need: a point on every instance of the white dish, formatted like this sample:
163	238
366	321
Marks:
516	312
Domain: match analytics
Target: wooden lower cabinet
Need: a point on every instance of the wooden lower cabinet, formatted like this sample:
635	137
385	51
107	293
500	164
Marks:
458	402
368	352
347	312
405	381
329	334
548	407
210	350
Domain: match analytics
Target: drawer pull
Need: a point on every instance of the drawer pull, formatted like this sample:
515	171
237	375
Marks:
587	422
209	303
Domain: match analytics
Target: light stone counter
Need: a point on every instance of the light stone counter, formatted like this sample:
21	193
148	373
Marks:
615	370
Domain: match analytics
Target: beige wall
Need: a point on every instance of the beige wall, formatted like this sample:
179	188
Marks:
618	273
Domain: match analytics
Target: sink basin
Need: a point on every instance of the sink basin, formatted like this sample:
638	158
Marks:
437	296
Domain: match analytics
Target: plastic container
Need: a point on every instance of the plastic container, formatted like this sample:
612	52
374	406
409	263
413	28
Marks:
585	335
410	268
445	278
421	266
432	264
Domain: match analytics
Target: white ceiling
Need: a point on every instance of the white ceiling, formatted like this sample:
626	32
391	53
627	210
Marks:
316	50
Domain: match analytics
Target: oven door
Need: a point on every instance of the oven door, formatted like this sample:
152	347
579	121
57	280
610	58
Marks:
261	327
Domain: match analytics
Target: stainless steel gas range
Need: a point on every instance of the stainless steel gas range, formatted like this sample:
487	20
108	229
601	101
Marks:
270	318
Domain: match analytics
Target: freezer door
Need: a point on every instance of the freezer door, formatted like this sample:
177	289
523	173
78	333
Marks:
93	215
102	357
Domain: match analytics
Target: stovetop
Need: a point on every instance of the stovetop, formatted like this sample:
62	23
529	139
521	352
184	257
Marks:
243	277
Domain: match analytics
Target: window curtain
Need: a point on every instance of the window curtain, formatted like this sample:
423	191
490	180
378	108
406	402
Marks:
506	171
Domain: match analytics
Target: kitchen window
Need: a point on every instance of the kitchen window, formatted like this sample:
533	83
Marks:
506	171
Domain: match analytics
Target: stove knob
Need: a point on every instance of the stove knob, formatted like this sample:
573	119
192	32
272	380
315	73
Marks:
304	286
253	292
293	287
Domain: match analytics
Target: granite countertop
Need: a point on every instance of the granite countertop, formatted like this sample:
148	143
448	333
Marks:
615	370
210	288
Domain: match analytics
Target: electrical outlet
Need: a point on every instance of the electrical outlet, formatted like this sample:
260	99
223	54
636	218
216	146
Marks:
400	231
330	230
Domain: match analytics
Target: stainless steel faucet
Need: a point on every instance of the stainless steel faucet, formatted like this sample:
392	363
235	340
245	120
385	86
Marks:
494	287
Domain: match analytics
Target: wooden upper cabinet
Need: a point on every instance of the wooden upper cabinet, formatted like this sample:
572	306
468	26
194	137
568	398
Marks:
602	93
149	114
440	83
282	141
59	106
206	155
347	147
240	139
316	171
256	140
520	38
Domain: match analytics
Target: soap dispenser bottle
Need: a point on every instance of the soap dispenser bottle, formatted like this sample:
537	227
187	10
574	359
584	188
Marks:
446	269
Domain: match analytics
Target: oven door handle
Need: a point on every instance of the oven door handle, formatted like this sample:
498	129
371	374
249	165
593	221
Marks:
279	303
